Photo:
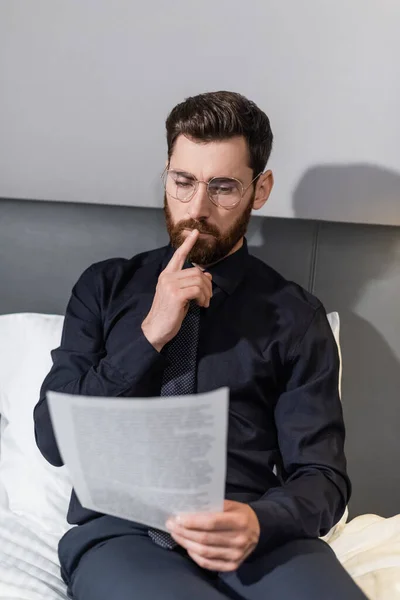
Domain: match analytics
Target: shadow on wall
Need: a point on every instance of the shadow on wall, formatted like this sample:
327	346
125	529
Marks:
343	192
353	267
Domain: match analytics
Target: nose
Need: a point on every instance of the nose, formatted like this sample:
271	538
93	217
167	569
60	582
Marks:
199	206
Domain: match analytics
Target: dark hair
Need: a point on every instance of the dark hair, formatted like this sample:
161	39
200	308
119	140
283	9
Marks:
222	115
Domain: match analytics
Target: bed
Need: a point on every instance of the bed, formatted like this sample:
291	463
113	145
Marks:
34	495
368	547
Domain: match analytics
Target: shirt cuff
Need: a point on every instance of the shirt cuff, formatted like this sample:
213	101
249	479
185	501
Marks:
138	360
277	525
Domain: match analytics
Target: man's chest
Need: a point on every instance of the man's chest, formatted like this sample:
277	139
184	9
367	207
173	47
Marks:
238	345
236	353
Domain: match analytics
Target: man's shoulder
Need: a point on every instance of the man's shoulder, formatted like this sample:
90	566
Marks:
112	267
292	308
284	292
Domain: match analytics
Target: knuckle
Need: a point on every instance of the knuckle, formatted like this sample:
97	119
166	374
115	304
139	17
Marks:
237	556
202	561
165	277
203	538
241	541
213	522
165	282
174	291
206	552
242	521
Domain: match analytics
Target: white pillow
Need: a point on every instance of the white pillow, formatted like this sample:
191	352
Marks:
33	487
334	322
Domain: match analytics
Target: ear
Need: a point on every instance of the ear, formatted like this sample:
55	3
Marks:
264	186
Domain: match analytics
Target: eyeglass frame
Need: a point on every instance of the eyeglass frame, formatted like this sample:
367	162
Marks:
196	187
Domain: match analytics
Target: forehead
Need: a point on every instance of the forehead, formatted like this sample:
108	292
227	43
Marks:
210	159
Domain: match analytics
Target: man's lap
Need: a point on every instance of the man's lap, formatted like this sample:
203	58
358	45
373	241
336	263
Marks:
113	558
305	569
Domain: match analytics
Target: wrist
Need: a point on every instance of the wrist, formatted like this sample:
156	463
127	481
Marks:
157	343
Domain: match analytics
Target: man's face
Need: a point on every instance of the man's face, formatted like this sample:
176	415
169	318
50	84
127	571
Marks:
221	230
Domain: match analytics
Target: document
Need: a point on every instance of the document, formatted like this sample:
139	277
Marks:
144	459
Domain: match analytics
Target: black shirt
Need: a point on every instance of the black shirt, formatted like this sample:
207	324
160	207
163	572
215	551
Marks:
265	338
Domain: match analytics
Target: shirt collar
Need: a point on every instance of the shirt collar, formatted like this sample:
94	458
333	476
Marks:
227	273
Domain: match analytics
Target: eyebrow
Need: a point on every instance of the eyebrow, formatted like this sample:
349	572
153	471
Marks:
184	173
191	176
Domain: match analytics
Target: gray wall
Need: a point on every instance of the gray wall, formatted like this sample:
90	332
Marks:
86	87
354	269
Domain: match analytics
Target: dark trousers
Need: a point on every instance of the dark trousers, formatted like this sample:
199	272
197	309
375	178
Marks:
110	558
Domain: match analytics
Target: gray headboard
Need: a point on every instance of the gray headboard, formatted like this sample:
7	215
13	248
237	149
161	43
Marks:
44	246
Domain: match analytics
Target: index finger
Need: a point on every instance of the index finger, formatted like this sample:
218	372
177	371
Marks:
178	259
221	521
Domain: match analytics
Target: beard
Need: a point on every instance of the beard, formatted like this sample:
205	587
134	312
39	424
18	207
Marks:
207	251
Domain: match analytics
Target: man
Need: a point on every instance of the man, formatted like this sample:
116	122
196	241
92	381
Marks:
196	315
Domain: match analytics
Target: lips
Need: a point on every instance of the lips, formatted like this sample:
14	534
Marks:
201	232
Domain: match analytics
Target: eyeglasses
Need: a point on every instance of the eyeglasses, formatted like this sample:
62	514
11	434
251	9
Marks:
226	192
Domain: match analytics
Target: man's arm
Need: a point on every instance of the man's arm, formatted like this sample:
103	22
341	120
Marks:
81	365
311	434
316	490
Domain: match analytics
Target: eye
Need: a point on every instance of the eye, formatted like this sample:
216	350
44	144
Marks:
181	180
223	187
183	184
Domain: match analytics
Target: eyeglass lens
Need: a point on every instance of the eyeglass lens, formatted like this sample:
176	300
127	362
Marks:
222	190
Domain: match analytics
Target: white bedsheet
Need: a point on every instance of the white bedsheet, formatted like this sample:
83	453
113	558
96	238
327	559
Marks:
29	567
368	547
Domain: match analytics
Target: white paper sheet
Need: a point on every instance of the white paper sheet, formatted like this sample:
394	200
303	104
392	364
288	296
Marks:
144	459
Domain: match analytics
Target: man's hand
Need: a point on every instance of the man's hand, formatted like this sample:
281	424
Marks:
175	288
218	541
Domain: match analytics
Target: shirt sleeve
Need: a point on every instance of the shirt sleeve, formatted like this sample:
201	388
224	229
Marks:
82	366
311	433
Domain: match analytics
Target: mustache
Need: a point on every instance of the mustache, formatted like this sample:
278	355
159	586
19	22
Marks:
201	227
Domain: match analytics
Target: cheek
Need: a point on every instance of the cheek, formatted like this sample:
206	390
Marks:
176	211
225	223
